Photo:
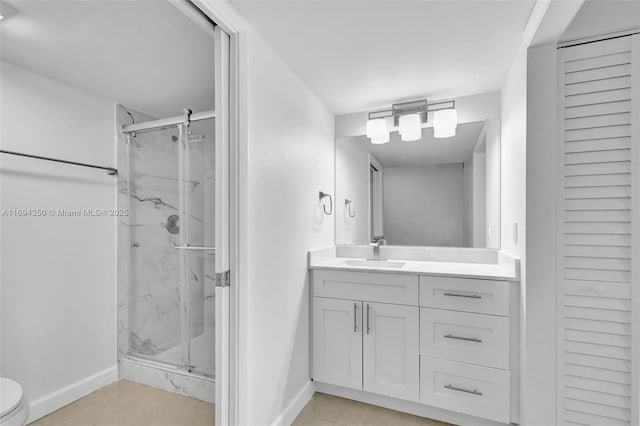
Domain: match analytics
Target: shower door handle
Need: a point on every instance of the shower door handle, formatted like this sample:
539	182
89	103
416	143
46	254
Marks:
223	279
194	248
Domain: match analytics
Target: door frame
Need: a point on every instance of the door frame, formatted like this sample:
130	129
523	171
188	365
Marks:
228	20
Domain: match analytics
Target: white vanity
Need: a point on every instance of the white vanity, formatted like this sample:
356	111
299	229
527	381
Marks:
428	324
434	338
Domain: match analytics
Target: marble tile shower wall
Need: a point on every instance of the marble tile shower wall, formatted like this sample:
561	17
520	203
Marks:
149	286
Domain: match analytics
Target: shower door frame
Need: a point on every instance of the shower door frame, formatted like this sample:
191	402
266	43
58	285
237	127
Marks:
182	124
223	225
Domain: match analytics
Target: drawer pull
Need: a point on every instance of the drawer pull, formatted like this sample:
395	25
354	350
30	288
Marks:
355	321
368	328
469	339
470	296
455	388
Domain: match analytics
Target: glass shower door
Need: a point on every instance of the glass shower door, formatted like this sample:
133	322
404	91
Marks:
171	195
154	230
197	251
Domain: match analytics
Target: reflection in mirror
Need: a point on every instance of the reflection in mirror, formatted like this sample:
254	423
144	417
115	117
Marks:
429	192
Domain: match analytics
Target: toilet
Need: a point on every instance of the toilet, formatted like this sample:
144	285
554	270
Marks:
14	409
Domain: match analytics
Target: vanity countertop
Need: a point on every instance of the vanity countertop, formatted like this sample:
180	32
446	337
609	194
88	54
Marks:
504	271
466	270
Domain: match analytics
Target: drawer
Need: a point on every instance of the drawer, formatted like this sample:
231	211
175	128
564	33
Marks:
460	336
463	294
470	389
368	286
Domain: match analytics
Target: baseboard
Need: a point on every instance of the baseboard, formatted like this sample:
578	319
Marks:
286	417
73	392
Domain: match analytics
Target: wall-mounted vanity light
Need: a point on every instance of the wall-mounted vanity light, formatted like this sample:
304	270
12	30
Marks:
445	122
410	127
409	118
377	130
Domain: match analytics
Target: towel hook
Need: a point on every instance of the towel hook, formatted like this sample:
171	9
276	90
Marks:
347	205
322	196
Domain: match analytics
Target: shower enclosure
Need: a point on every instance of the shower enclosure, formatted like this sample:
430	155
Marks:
166	253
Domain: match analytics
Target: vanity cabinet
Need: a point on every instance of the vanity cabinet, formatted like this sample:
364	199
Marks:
390	345
465	294
465	388
370	286
362	344
444	342
467	335
337	342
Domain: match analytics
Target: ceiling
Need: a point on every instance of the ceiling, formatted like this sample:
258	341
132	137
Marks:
362	55
147	55
426	151
588	22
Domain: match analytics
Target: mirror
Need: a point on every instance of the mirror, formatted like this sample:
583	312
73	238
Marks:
429	192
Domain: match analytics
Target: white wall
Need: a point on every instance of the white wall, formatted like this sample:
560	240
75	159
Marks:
58	276
352	182
513	155
287	157
620	15
513	196
423	206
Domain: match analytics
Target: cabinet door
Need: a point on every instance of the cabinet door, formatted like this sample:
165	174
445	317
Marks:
337	342
598	245
391	350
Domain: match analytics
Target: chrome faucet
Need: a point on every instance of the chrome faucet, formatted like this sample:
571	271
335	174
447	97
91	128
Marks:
376	242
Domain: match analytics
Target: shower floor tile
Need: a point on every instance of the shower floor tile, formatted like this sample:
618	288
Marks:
126	403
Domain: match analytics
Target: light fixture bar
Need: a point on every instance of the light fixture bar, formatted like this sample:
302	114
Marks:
420	106
412	107
380	114
437	106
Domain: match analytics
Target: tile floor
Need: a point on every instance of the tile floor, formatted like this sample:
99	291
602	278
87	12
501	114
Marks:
126	403
327	410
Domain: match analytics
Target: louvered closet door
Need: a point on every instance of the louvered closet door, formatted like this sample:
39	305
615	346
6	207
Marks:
597	268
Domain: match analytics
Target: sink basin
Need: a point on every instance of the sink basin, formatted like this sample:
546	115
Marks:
376	263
